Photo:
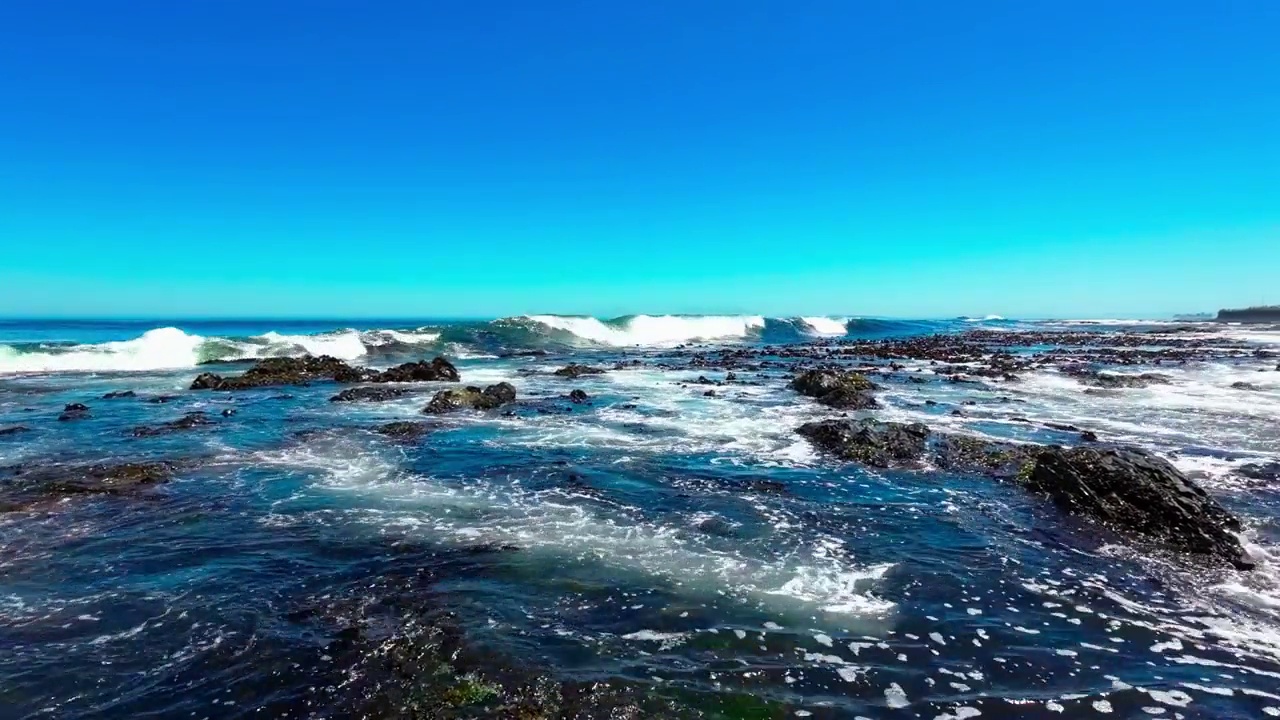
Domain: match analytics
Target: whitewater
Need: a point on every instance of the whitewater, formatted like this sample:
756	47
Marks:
654	538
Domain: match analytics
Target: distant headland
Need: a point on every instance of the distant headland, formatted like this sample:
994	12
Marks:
1260	314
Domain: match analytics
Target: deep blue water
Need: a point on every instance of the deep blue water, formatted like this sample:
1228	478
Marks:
619	541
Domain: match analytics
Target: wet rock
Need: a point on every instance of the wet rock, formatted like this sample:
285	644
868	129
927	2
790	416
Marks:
1260	471
438	369
1062	427
405	430
14	430
870	442
966	454
1108	380
578	397
74	411
471	397
189	421
1245	386
162	399
369	393
27	487
114	394
228	412
842	390
709	393
1133	492
768	487
574	370
283	371
1089	436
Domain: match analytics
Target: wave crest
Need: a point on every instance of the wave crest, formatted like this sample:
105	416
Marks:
651	329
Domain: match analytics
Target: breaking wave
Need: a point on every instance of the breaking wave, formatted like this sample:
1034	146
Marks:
170	348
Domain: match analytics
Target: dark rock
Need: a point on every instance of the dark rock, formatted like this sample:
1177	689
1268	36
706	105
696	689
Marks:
1062	427
816	383
187	422
966	454
574	370
162	399
368	393
14	430
31	486
471	397
709	393
74	411
284	371
1245	386
870	442
1133	492
282	396
768	487
119	394
438	369
228	412
1089	436
1260	471
405	430
1112	380
930	403
578	397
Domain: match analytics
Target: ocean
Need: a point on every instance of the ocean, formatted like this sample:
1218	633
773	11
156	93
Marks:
661	544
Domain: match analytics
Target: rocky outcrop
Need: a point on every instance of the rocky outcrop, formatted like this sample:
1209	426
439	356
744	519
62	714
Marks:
28	487
471	397
976	456
843	390
187	422
870	442
283	371
1270	314
1260	471
421	371
1135	493
74	411
305	370
574	371
369	393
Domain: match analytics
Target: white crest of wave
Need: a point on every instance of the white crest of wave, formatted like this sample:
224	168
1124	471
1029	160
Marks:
825	325
654	329
387	337
159	349
344	345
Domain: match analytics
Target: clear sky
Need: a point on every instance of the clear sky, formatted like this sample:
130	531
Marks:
264	158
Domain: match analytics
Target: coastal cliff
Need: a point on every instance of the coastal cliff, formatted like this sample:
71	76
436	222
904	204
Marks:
1261	314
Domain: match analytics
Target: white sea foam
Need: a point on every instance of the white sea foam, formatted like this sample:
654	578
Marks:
345	345
825	326
159	349
653	329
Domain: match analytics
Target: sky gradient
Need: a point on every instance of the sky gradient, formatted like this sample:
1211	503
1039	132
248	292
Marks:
923	159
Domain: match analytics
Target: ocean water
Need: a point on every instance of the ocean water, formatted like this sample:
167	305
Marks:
623	542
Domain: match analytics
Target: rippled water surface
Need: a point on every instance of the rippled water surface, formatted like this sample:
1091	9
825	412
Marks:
653	551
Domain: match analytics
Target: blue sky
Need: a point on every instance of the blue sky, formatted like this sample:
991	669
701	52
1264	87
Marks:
260	158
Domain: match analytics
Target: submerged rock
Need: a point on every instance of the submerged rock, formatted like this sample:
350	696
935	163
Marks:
574	370
1107	380
1260	471
578	397
369	393
186	422
14	430
405	430
471	397
844	390
74	411
1245	386
870	442
31	486
1131	491
119	394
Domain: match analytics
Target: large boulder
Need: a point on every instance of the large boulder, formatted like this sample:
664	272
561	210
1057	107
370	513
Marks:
1133	492
1260	471
421	371
471	397
870	442
844	390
